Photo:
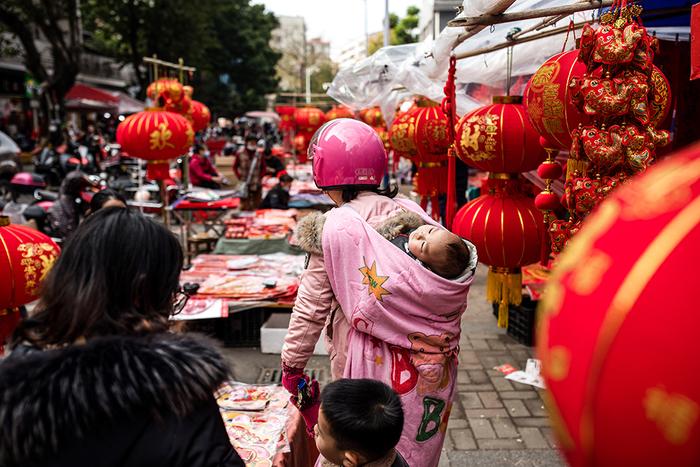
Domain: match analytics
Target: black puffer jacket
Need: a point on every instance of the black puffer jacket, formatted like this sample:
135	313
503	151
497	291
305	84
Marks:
116	401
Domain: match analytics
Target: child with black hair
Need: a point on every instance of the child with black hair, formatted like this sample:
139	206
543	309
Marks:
359	424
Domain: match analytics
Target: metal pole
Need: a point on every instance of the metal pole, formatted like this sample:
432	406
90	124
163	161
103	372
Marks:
386	23
308	85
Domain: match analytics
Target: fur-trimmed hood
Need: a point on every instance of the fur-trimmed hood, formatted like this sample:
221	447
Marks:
310	229
51	397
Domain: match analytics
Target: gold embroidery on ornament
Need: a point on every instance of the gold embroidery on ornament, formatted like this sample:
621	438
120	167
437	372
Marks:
558	363
37	259
160	138
586	278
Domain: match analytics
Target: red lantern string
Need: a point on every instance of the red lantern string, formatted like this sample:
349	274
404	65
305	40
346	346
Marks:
449	107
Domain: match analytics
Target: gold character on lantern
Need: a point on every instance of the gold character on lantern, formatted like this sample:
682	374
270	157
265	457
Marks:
553	108
545	75
37	260
160	138
674	414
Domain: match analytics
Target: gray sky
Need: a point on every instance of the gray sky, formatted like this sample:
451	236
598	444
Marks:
338	21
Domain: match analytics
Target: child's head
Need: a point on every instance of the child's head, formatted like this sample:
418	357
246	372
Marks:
440	250
360	421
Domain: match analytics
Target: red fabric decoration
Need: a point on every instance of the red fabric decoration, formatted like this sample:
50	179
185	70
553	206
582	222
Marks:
695	42
27	256
625	281
550	170
499	138
547	201
547	100
166	90
402	135
201	116
286	113
372	117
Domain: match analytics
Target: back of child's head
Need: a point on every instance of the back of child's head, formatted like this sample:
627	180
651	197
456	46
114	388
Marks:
456	260
364	415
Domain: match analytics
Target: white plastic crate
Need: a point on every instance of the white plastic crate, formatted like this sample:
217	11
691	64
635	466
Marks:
272	334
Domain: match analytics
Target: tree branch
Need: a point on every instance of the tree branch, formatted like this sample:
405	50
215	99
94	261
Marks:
20	27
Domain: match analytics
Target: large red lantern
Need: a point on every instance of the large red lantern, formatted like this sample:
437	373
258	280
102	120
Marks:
301	145
200	115
506	228
339	111
27	256
372	117
617	334
548	99
309	119
499	138
156	136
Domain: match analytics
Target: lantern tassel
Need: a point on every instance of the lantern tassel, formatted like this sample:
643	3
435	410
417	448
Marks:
504	286
576	165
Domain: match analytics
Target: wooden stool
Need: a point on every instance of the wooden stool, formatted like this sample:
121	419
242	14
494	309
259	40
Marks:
199	245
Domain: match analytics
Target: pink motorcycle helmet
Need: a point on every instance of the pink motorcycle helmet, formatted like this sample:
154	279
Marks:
346	152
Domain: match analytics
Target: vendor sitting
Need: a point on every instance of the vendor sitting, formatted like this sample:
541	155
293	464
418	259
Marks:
278	197
202	171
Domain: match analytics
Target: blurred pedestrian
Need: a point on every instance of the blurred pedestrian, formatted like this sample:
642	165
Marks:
202	171
278	197
249	167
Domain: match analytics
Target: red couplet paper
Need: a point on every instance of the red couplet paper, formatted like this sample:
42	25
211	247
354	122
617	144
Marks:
695	42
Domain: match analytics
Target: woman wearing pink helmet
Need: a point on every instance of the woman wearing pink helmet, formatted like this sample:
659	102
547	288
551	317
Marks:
349	163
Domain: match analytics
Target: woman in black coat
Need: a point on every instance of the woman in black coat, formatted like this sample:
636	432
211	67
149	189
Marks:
94	377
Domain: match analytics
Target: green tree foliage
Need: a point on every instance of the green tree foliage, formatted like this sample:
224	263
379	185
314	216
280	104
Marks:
55	22
401	30
325	73
226	40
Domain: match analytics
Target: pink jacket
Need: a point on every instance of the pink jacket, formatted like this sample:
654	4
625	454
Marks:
315	306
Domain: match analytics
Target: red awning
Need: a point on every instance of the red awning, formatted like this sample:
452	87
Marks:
82	96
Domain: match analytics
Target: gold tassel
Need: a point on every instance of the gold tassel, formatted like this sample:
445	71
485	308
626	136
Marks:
576	165
504	286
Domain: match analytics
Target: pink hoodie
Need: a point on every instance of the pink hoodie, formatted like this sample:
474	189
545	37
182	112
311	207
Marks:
316	307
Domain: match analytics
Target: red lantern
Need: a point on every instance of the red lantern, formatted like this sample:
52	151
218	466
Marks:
156	136
499	138
548	99
200	116
506	228
286	113
301	145
170	90
27	256
402	135
617	334
309	119
339	111
372	117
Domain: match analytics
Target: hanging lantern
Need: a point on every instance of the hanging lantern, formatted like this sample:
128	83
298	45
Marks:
200	116
27	257
167	90
309	119
372	117
402	135
499	138
384	136
339	111
301	145
182	107
548	101
156	136
617	334
286	113
506	228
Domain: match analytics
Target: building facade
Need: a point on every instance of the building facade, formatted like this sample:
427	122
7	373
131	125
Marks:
434	16
289	39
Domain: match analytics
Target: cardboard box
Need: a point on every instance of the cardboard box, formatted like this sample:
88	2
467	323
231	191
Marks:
272	334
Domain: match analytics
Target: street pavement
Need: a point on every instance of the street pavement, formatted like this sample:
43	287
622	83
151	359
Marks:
494	422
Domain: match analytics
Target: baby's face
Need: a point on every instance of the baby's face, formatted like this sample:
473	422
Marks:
429	244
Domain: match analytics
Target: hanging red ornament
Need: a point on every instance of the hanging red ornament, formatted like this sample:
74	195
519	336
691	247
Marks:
309	119
402	135
200	116
339	111
372	117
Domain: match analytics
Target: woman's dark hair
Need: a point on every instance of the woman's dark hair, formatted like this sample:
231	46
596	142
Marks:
101	197
364	415
351	192
118	274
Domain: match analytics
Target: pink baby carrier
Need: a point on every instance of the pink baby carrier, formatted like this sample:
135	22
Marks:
405	325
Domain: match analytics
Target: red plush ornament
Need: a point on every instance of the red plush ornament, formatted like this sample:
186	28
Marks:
27	256
339	111
499	138
167	90
617	335
548	102
156	136
550	170
547	201
309	119
200	115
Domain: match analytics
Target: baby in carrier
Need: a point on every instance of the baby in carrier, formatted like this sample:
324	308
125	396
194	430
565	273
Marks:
444	253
